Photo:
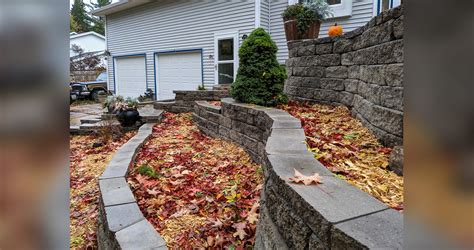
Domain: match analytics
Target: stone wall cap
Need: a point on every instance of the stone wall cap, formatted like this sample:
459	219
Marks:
379	230
122	216
115	191
140	235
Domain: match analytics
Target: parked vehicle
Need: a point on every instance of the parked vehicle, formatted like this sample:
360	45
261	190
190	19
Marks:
90	89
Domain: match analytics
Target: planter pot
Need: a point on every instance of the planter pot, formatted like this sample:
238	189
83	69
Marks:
291	30
128	118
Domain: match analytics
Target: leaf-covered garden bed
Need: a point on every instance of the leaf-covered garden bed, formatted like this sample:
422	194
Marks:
348	149
87	163
197	191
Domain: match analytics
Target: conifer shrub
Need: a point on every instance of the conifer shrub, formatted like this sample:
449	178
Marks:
260	77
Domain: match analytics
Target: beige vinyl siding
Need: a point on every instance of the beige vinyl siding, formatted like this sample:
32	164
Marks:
176	25
362	12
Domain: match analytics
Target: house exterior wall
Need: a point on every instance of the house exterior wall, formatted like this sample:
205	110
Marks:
89	43
176	25
362	12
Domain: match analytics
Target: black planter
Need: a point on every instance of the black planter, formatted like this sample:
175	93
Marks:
128	117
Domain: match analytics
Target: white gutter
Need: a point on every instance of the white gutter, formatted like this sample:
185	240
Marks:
118	6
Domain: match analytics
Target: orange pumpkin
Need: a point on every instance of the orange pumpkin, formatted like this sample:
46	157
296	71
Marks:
335	30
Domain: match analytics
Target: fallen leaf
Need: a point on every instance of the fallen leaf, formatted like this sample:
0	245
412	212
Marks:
306	180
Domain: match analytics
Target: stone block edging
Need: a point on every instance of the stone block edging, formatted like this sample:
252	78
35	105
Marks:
121	223
332	215
184	99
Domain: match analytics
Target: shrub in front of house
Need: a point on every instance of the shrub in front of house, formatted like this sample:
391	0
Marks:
260	77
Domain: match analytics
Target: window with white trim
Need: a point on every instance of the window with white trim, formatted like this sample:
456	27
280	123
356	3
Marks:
381	5
340	8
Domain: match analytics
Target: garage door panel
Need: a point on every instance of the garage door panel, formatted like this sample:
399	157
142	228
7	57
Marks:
178	71
130	76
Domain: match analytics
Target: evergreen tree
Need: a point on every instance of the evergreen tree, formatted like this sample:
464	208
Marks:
99	23
72	24
260	77
80	16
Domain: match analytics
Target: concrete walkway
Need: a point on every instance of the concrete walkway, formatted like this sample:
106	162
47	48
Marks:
87	111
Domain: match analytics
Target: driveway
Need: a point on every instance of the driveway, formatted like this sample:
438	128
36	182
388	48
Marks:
87	111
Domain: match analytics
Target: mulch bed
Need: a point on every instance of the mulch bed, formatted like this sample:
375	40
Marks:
87	164
197	191
348	149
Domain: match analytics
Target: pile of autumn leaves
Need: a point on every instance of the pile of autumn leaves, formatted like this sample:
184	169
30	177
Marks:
87	163
197	191
348	149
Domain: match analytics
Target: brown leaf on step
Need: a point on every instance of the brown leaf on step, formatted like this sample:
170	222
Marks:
307	180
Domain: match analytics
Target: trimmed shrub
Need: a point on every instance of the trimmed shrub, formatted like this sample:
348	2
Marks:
260	78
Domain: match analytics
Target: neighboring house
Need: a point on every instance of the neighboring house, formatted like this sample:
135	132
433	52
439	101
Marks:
88	41
171	45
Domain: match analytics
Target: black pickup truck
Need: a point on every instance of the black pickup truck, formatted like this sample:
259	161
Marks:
82	90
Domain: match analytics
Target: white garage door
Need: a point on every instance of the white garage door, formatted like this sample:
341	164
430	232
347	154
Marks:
177	71
130	76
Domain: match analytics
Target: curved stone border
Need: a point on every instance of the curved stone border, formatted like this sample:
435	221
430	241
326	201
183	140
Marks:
121	223
332	215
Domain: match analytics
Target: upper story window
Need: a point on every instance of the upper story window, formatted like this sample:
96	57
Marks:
381	5
340	8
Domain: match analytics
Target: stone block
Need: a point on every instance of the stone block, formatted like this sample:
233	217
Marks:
382	230
326	95
351	85
390	52
353	72
225	121
313	71
392	97
373	36
224	132
292	228
346	98
332	84
321	206
392	13
117	168
384	137
394	75
122	216
370	92
342	46
325	60
285	145
387	119
322	49
396	160
268	236
316	244
307	50
398	28
115	191
337	72
286	123
140	235
305	163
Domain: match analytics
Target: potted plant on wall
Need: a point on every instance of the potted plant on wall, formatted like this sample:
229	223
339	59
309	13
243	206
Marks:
125	109
303	20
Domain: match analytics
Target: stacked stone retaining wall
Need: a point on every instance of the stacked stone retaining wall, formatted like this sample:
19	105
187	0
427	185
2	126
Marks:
362	69
332	215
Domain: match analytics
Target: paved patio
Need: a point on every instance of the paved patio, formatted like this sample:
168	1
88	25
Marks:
87	111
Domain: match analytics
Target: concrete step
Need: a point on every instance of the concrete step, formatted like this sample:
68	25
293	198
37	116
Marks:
150	114
91	120
163	105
